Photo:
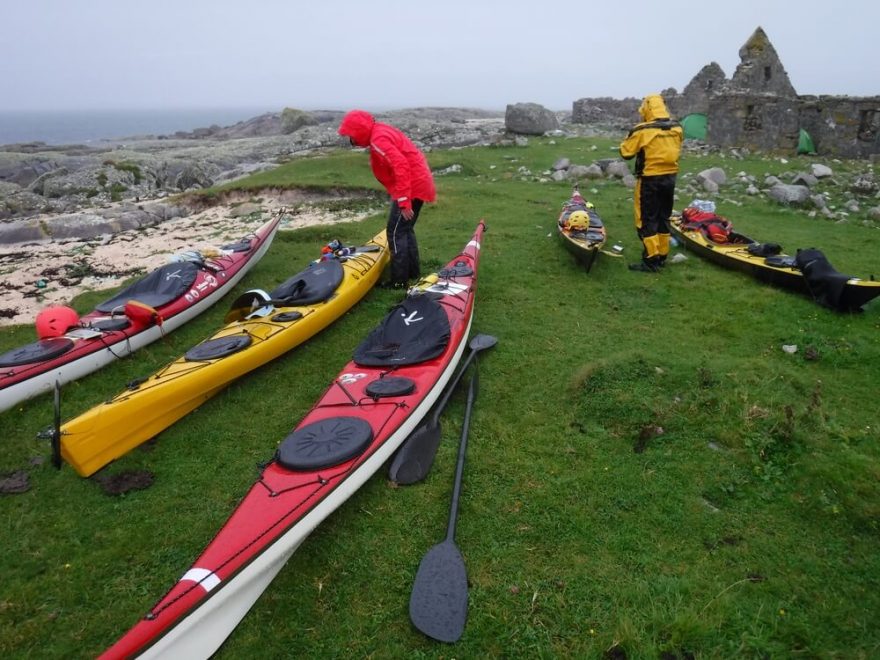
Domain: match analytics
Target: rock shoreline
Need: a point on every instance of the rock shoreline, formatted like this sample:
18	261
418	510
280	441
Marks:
36	179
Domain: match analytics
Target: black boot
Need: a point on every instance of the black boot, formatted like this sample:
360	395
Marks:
644	267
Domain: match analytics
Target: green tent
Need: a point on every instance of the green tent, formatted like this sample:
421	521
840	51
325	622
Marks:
694	126
805	143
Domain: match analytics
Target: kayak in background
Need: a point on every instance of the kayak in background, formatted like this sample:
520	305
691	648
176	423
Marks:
712	236
377	400
136	316
581	230
260	327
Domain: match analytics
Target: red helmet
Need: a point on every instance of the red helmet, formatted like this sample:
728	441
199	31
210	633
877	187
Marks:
55	321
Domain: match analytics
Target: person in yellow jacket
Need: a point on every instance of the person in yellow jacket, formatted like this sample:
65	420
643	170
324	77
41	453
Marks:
655	143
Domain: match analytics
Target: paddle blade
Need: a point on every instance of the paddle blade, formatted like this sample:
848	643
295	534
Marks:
439	599
482	342
414	459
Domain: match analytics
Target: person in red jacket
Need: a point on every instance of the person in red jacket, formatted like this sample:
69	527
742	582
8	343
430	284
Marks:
399	166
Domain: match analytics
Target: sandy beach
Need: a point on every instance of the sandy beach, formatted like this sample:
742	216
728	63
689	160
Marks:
34	275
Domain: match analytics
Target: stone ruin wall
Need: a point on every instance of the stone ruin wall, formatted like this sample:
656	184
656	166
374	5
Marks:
605	110
757	108
841	126
753	121
846	126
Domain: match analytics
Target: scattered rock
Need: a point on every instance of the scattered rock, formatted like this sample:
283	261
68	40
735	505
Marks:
820	171
790	195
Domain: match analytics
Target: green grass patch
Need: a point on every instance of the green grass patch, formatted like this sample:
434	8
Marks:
649	475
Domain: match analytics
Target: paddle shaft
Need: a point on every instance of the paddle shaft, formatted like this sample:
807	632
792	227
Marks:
451	387
459	468
56	427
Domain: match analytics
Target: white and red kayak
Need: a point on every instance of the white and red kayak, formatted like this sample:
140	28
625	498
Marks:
167	298
368	410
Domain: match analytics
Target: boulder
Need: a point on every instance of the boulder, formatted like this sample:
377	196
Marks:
79	225
21	231
617	169
293	119
561	164
804	179
820	171
585	172
864	184
244	210
715	174
708	185
529	119
790	195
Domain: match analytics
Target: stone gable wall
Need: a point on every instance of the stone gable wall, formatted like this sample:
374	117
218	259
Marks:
757	108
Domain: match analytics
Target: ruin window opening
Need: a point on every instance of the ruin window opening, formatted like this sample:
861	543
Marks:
767	73
752	121
869	125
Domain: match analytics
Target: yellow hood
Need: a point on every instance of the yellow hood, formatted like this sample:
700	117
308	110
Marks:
653	107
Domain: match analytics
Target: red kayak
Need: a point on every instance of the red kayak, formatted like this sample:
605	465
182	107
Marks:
154	305
369	409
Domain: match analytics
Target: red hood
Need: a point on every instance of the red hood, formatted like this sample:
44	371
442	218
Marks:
358	125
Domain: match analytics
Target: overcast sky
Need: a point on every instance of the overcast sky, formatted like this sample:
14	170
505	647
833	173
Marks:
381	54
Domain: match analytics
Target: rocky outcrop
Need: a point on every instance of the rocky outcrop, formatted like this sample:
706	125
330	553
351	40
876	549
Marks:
90	224
37	178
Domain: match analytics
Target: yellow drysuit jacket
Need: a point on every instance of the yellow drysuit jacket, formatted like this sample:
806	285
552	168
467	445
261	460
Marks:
656	141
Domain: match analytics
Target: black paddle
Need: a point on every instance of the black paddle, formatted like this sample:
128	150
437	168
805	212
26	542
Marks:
56	428
439	598
413	460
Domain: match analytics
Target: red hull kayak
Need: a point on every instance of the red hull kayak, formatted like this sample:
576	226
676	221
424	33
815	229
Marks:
177	292
377	400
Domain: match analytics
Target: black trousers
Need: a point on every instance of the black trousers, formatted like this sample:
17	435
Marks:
654	198
401	232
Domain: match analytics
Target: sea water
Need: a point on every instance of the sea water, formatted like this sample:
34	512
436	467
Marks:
87	126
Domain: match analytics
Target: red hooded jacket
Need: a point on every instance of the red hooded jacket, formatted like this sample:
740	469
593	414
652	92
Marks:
396	161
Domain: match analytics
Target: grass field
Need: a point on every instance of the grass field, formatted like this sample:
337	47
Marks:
748	527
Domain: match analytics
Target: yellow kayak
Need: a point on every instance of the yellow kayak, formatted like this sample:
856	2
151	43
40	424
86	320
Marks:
260	327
